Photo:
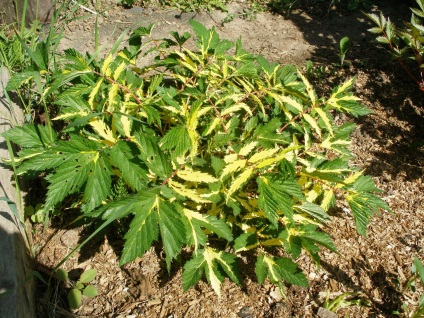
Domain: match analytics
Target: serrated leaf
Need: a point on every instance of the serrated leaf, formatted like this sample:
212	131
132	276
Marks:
88	275
265	154
171	230
241	179
103	130
232	167
245	242
142	232
195	176
98	186
226	261
309	89
176	138
313	123
183	190
31	136
197	220
291	272
236	108
314	210
193	270
123	156
326	119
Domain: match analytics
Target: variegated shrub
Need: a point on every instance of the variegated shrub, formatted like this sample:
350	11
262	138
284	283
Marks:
218	151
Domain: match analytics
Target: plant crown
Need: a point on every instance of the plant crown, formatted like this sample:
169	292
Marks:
220	152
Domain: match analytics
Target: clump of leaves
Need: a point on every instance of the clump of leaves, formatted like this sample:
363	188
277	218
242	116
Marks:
193	5
80	288
404	43
220	151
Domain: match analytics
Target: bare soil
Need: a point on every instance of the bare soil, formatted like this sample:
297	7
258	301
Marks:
388	145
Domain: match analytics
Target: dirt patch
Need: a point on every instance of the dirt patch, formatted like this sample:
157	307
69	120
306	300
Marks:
388	144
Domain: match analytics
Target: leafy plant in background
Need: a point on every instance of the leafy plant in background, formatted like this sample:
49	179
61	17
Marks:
79	288
404	43
193	5
220	152
417	275
344	46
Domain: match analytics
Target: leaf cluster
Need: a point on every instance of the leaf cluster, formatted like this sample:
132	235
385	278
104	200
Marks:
404	43
207	148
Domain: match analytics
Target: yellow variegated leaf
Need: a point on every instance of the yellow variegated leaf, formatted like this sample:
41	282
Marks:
113	92
209	255
196	176
106	63
244	151
239	181
126	123
231	157
273	242
327	143
102	130
328	199
309	88
235	97
232	167
325	119
286	153
193	215
259	102
292	102
301	219
119	70
215	123
353	177
313	194
81	113
263	155
203	111
236	108
313	123
94	92
346	85
186	192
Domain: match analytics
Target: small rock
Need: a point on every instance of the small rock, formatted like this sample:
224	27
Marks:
324	313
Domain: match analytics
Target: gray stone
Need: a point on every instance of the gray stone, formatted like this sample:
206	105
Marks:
11	11
14	257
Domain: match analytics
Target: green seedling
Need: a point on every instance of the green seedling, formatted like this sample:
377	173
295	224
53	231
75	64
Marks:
79	288
345	300
344	46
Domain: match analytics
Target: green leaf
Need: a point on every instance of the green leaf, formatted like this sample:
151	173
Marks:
98	186
30	135
171	230
206	39
276	197
195	221
314	210
176	138
153	156
90	291
88	275
143	229
278	269
62	275
74	298
245	242
193	270
124	155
